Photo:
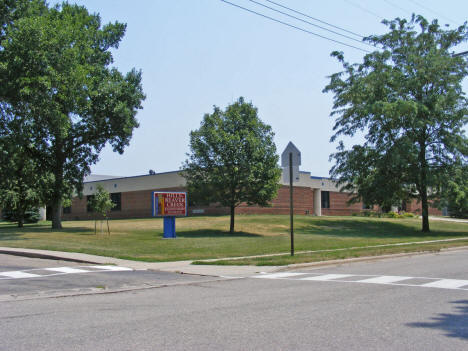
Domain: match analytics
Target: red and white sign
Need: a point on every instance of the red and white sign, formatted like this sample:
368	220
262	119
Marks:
169	203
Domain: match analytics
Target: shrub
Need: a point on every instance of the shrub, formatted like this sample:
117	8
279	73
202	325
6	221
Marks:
393	214
30	216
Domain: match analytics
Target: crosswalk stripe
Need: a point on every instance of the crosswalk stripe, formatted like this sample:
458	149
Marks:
326	277
385	279
111	268
19	274
456	284
447	284
66	270
279	275
60	270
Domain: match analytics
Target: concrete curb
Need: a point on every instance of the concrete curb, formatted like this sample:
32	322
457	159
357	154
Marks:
365	259
51	256
185	267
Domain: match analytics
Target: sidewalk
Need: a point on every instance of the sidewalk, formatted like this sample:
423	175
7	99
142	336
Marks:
448	219
184	267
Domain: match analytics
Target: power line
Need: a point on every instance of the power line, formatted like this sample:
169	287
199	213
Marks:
364	9
312	24
315	19
397	7
434	12
464	53
293	26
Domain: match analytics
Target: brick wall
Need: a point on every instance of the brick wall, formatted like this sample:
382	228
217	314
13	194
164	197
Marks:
415	207
137	204
339	206
134	204
303	198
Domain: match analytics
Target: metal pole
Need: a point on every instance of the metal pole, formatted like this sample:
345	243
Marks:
291	206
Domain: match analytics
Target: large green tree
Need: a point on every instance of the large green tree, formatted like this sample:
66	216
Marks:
55	72
407	100
23	182
233	159
454	191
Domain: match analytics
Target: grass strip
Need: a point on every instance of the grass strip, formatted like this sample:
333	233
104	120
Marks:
327	255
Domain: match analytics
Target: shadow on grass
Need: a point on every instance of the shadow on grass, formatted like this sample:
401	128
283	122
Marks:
9	232
370	228
208	233
454	324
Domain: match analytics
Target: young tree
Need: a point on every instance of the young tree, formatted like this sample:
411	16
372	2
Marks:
55	69
407	98
101	205
233	159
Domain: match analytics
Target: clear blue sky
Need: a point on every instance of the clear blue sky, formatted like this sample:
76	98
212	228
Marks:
198	53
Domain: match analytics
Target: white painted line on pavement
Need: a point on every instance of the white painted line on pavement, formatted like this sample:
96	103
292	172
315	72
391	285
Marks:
384	279
279	275
326	277
61	271
111	268
447	284
19	274
454	284
67	270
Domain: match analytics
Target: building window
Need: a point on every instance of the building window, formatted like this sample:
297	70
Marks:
89	200
116	198
366	207
325	199
67	210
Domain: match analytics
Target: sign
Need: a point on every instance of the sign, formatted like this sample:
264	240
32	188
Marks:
295	170
296	156
296	162
169	204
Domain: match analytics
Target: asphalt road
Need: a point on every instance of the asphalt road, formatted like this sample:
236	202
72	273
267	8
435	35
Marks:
411	303
31	278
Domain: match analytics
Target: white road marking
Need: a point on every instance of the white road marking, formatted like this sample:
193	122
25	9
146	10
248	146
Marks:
447	284
112	268
67	270
19	274
55	271
455	284
279	275
327	277
385	279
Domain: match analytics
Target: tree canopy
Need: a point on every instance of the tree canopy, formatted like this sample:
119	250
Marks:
56	76
407	100
233	159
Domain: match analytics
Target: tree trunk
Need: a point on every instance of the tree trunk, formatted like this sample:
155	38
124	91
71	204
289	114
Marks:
423	187
20	214
231	227
58	186
425	212
57	214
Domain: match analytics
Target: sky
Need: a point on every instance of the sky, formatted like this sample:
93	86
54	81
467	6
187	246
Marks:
195	54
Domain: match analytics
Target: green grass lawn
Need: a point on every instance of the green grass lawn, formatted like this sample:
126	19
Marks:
201	238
